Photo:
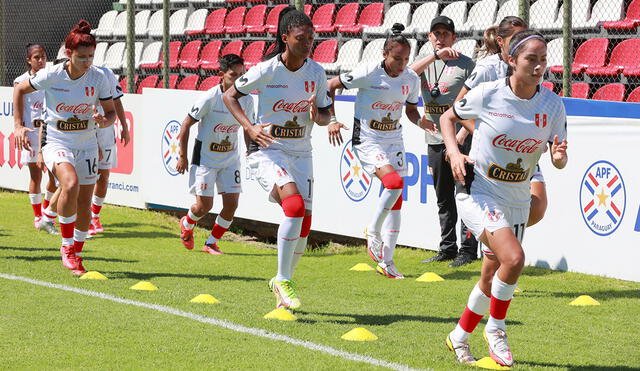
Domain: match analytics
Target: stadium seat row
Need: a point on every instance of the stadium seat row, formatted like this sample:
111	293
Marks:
190	82
611	92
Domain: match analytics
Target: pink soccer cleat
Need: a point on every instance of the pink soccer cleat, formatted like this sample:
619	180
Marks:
95	222
69	258
212	249
186	235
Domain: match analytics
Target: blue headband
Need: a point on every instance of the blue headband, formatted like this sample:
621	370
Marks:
519	44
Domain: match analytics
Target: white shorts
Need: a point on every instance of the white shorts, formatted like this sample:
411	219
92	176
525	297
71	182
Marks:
109	158
537	175
226	180
480	212
274	167
84	161
373	156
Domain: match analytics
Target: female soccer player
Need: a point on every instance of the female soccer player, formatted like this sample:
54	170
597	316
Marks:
383	89
70	148
215	160
36	60
514	120
292	95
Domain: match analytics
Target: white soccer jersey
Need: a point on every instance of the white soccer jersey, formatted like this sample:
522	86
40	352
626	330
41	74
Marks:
217	140
284	100
69	105
487	69
107	136
33	105
380	100
509	138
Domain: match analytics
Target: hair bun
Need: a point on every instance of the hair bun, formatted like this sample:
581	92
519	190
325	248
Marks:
82	27
397	28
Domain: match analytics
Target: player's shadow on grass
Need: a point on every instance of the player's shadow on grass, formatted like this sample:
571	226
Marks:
57	258
539	271
138	234
578	368
600	295
384	319
461	275
148	276
29	248
137	225
247	254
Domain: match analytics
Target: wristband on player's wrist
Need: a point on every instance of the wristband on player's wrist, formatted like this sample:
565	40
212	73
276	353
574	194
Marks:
333	120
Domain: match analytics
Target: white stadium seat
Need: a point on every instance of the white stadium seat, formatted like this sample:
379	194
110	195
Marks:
98	54
120	25
348	57
481	16
151	54
414	50
142	22
579	14
373	51
196	20
543	14
154	27
555	52
105	25
115	55
421	19
177	21
199	3
457	12
398	13
426	49
604	10
509	8
466	47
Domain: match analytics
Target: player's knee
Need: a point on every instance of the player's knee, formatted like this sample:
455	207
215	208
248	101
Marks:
293	206
392	180
306	226
398	204
515	260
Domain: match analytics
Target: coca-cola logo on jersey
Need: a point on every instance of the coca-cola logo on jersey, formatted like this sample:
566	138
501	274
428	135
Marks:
37	104
291	107
528	145
77	109
226	128
387	106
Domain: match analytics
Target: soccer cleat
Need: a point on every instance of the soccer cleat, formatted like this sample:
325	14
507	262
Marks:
92	230
95	222
389	270
79	267
374	245
285	293
212	248
461	259
461	350
498	347
186	235
48	227
439	257
36	222
69	258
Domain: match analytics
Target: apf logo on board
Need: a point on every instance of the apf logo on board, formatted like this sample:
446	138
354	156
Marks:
171	146
356	183
603	198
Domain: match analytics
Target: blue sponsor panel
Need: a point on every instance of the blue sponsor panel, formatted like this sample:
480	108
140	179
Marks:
603	198
170	148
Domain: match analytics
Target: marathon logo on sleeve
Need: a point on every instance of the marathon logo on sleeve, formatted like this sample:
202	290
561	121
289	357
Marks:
72	124
513	173
224	146
290	130
385	124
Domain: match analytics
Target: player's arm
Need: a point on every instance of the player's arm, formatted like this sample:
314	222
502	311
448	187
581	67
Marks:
411	110
231	100
464	132
558	153
446	54
109	113
456	158
124	133
333	129
19	130
183	160
40	160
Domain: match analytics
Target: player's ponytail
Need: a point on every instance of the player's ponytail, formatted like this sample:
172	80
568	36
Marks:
79	36
395	37
289	18
489	43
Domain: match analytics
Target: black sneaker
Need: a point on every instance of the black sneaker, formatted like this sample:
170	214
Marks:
461	259
439	257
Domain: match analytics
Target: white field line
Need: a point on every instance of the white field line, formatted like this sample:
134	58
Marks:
221	323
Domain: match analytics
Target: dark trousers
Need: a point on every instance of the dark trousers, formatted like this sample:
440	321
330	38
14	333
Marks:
447	212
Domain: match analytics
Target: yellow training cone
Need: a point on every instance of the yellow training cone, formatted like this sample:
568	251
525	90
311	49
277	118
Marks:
280	314
144	286
429	277
517	291
359	334
205	298
490	364
93	276
584	300
361	267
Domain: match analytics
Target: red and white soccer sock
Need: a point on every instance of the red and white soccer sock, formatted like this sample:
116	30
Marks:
67	226
96	206
218	230
501	295
36	204
47	199
301	246
289	234
49	215
392	190
477	306
190	220
391	230
78	240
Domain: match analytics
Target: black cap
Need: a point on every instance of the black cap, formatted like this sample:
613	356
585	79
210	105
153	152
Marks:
443	20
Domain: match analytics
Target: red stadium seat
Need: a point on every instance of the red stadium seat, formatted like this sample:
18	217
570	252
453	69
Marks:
631	21
624	56
148	82
234	47
253	53
347	16
234	23
235	1
580	90
189	55
307	10
548	84
215	22
323	18
173	80
123	83
209	82
610	92
271	23
174	52
254	20
371	15
326	51
209	56
189	82
634	96
592	53
270	48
